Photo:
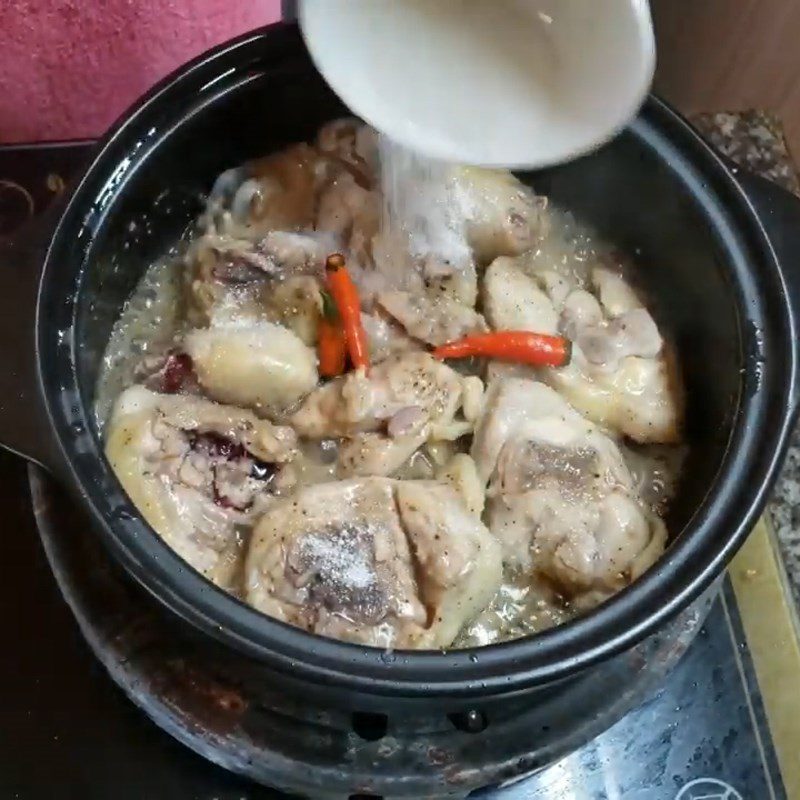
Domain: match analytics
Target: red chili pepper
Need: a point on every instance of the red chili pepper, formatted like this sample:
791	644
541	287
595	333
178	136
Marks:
523	347
331	344
345	295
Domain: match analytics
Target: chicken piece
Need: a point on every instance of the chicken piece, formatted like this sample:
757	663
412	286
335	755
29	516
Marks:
372	560
353	215
391	268
456	282
512	404
431	318
561	498
619	375
350	204
252	363
265	441
335	560
224	273
198	472
638	398
350	212
498	370
171	372
353	143
385	454
362	403
296	303
462	474
289	254
580	310
422	243
503	216
386	337
553	284
514	301
632	334
459	563
277	192
218	270
377	454
614	292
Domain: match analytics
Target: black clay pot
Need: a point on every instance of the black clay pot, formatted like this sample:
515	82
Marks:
720	253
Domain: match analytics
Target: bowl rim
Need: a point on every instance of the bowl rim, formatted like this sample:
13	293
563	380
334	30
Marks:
701	550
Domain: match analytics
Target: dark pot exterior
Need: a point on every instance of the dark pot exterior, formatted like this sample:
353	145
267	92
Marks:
720	252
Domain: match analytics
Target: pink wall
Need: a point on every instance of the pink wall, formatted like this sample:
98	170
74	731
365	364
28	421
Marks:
68	68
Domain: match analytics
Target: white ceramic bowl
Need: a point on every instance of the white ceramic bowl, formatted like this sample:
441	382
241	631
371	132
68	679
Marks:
514	83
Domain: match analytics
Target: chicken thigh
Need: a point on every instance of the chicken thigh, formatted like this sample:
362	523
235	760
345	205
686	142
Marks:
561	498
352	213
252	363
386	337
512	300
459	561
619	375
362	402
199	472
504	217
354	143
224	276
390	412
277	192
431	318
381	562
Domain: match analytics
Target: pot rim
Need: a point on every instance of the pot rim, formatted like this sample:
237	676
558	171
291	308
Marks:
697	555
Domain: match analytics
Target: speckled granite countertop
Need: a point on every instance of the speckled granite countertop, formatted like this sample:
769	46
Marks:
755	140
